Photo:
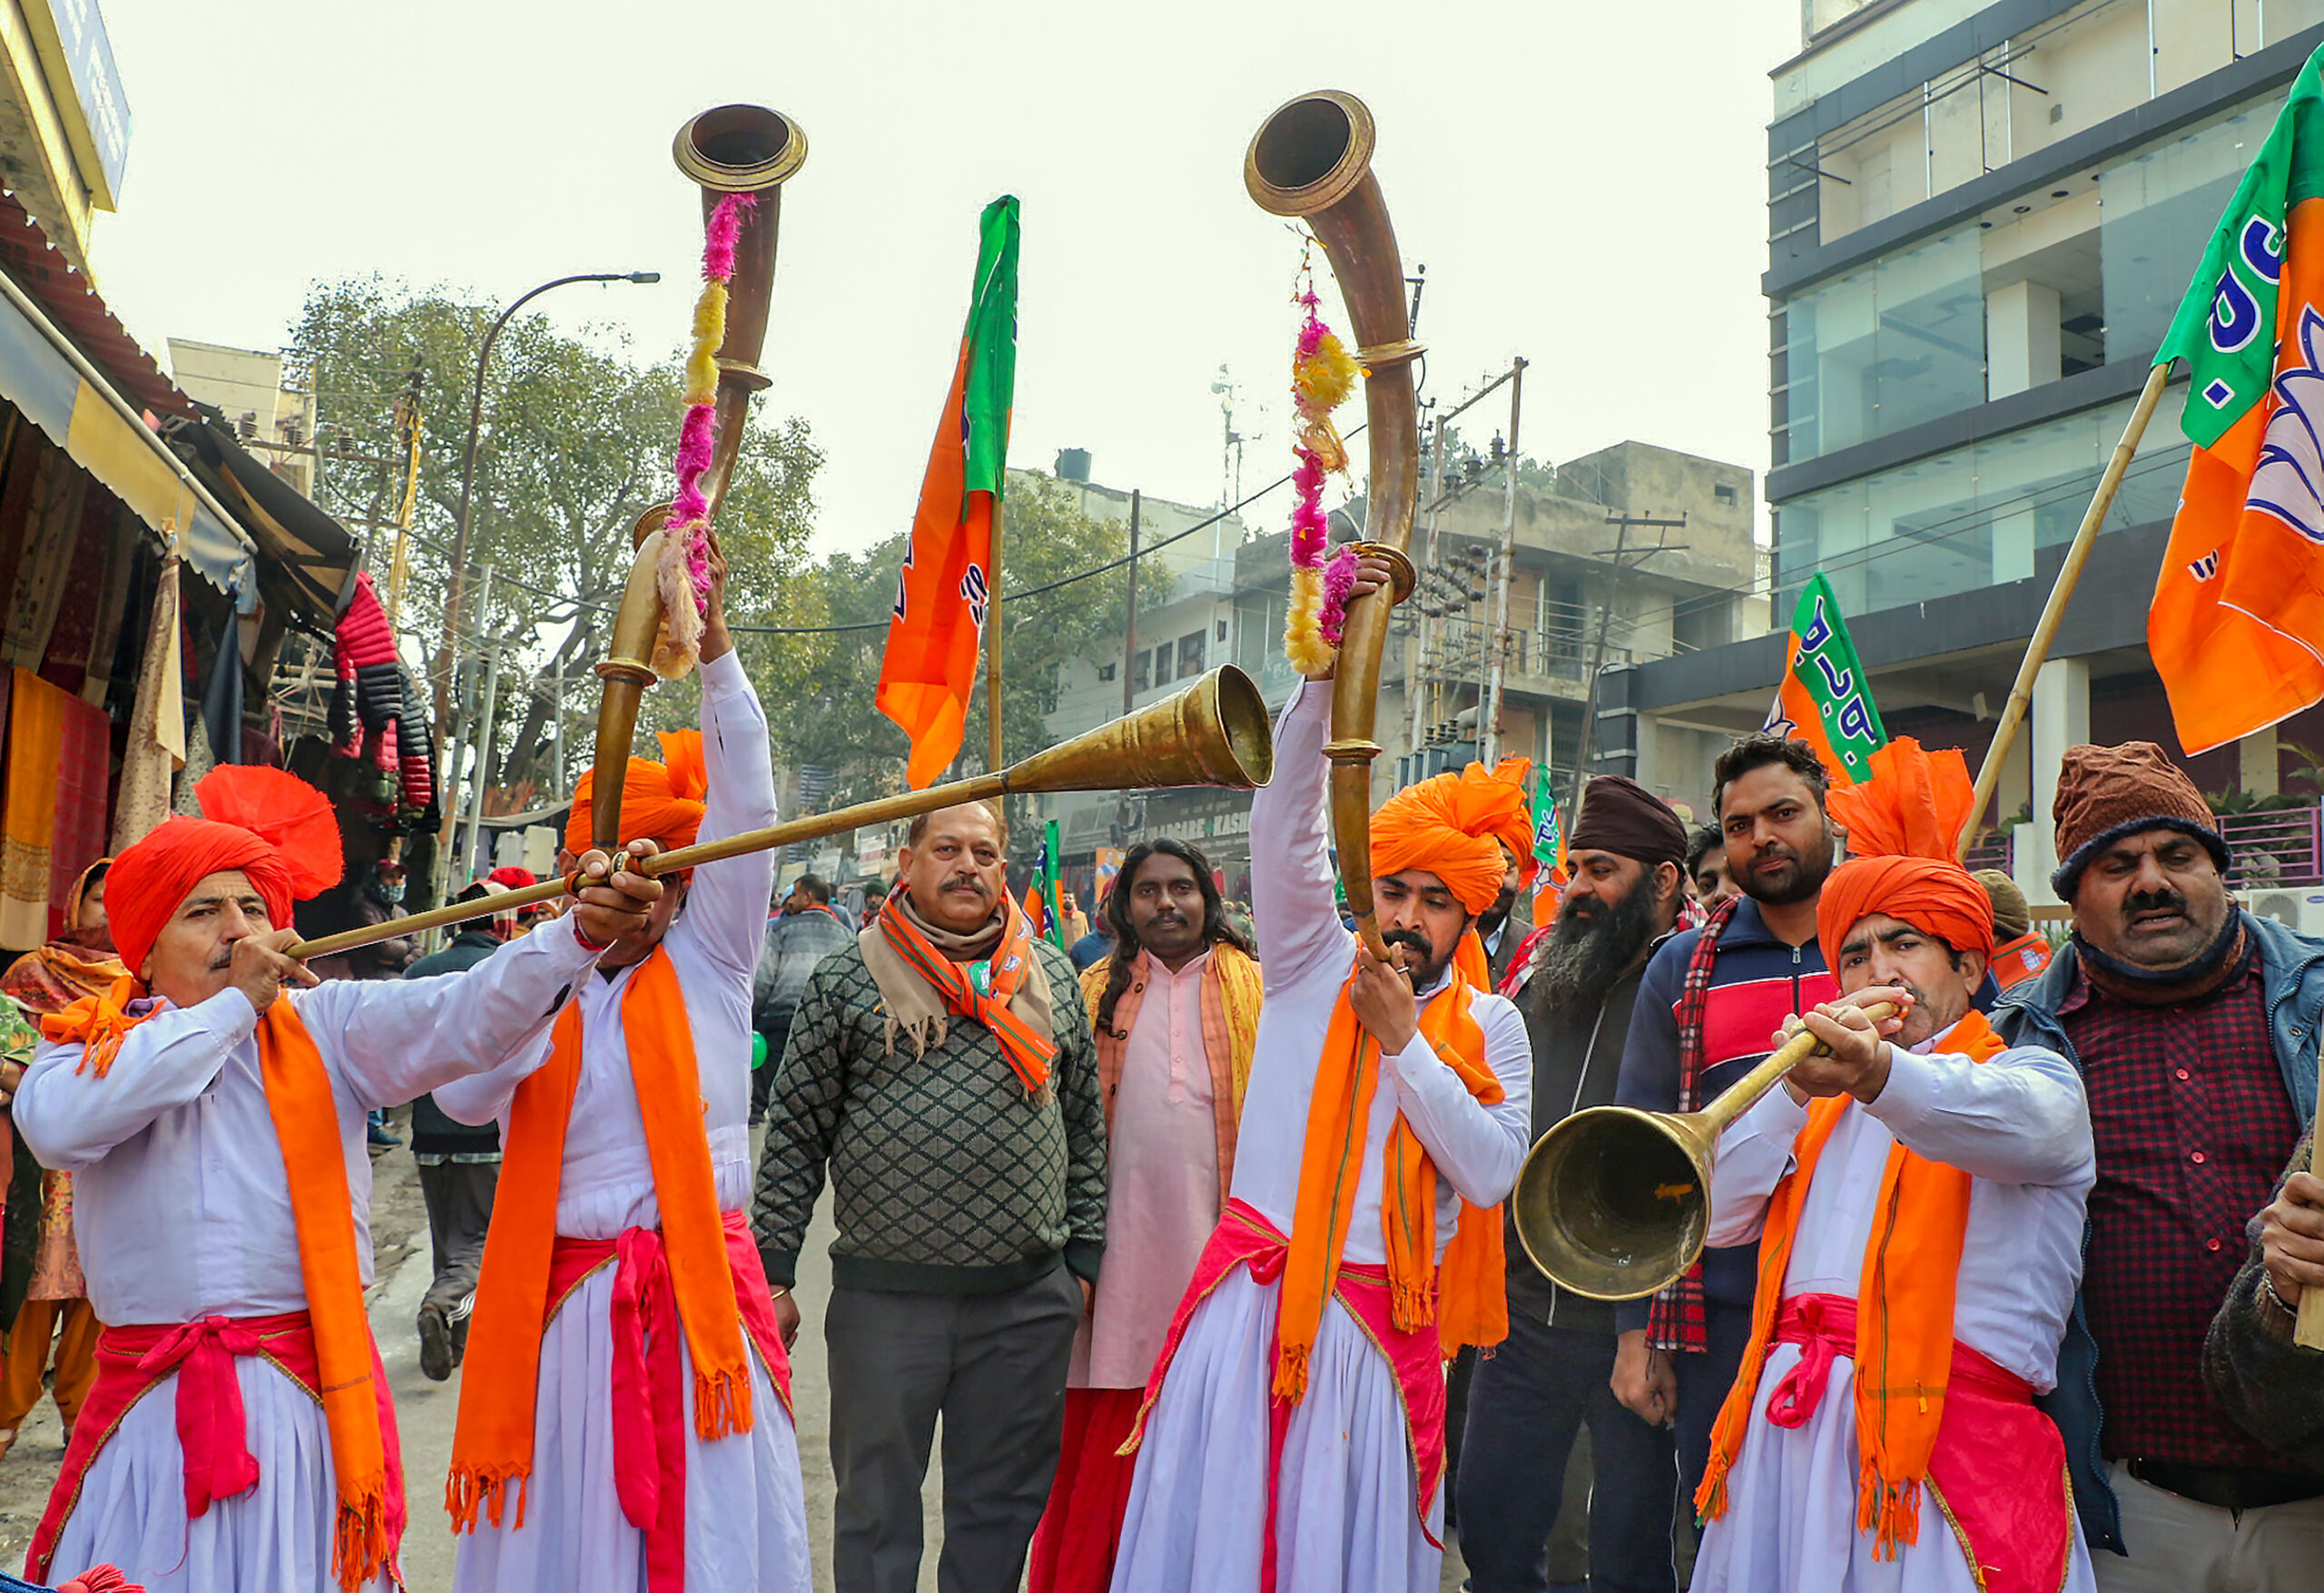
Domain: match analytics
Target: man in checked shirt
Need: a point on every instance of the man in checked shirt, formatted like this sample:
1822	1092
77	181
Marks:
2194	1025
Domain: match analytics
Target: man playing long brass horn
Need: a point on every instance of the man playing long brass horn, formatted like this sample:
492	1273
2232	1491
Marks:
1917	1198
1295	1417
624	1349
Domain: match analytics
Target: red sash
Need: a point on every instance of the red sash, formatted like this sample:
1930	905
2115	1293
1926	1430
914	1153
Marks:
1245	1238
212	1430
1998	1472
648	1381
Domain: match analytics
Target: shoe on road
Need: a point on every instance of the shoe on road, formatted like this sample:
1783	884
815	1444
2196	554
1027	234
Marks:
435	1342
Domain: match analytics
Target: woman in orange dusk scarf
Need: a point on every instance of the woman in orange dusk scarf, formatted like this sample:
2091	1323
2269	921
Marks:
1292	1434
1917	1196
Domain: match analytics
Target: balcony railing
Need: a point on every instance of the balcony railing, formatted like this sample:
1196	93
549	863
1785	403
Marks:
2279	847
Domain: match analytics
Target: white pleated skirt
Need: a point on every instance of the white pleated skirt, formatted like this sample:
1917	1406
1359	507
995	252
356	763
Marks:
1346	1523
746	1509
275	1535
1790	1521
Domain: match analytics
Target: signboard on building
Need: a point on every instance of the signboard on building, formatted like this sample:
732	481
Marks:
77	57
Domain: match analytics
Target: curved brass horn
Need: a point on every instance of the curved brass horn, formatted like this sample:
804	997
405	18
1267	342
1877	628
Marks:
733	149
1312	159
1215	733
1615	1202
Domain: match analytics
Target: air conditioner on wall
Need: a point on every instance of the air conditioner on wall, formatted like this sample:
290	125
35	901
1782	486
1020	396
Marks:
2296	907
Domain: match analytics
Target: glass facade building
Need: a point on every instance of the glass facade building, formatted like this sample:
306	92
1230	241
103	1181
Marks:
1967	278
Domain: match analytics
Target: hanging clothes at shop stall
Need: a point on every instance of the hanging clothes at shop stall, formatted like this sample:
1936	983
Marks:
53	816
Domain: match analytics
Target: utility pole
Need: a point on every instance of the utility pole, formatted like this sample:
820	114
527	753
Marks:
1489	701
479	766
1129	623
407	426
556	729
1621	523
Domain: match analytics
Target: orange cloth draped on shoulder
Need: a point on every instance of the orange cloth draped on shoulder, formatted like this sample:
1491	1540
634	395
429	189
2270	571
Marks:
492	1444
279	833
1465	829
1232	993
78	963
1912	1262
659	801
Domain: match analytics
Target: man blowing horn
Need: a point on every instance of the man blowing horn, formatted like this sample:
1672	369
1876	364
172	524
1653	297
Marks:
211	1109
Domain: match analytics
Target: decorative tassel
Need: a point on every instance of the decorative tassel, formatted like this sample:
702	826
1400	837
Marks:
682	572
1290	1372
1323	374
469	1490
722	1403
360	1546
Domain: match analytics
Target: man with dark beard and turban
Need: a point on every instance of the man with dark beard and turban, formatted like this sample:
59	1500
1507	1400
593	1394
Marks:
1292	1431
1916	1190
1550	1377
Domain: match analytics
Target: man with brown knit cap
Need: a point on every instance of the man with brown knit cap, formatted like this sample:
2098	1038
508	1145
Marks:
2020	951
2194	1025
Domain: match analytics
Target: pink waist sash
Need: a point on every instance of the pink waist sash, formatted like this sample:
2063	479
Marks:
648	1376
1244	1238
1998	1473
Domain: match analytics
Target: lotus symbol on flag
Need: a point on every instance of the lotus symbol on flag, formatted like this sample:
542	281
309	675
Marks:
2288	483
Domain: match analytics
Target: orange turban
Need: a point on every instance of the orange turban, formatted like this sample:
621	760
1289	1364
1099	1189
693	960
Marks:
1454	827
659	801
274	827
1904	823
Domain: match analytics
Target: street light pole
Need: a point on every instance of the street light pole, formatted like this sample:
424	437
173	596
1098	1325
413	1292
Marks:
452	591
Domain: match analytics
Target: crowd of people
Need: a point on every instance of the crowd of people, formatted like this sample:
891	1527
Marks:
1197	1251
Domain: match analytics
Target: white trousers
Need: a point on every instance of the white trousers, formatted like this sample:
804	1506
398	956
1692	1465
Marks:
2178	1546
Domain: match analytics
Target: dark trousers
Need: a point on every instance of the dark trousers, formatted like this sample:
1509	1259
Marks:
994	1366
1703	1383
459	1209
1526	1401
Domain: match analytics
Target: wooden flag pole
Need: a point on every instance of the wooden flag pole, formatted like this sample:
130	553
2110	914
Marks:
992	650
2308	1328
2037	648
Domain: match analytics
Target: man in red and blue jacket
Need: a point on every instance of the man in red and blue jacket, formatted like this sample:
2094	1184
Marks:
1709	1002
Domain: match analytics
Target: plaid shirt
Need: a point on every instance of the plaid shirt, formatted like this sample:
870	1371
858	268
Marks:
2192	1125
1676	1320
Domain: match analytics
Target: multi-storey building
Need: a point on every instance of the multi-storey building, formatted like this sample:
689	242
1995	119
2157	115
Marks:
1981	220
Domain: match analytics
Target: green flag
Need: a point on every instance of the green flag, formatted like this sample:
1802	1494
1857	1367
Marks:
1826	696
1052	896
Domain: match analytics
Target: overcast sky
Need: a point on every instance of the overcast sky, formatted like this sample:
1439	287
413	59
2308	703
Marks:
1584	183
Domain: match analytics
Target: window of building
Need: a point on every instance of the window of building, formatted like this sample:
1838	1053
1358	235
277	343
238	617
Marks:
1971	517
1703	622
1222	630
1162	676
1722	493
1106	671
1142	675
1191	649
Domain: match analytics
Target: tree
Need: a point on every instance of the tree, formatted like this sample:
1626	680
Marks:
574	445
825	681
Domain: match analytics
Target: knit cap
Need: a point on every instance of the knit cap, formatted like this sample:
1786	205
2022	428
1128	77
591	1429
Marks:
2012	917
2106	793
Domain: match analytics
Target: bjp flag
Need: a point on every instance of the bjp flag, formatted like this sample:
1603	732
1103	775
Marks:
1824	697
947	580
2237	629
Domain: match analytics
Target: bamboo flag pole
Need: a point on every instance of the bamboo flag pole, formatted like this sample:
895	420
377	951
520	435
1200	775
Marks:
2037	648
992	650
2307	1326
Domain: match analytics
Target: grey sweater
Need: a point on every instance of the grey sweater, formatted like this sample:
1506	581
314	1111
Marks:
2273	1389
948	1177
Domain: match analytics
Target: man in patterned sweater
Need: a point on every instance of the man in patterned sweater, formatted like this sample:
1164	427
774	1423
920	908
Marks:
942	1066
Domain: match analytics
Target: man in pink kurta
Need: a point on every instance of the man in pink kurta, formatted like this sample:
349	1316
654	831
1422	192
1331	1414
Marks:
1175	1009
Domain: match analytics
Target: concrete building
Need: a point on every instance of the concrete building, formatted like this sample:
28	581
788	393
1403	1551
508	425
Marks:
1980	219
245	386
1229	591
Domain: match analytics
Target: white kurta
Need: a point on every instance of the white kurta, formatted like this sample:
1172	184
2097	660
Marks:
1161	1182
2019	1126
746	1514
1347	1517
182	1210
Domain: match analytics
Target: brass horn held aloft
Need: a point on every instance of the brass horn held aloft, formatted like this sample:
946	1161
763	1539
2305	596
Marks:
733	149
1312	159
1614	1203
1215	733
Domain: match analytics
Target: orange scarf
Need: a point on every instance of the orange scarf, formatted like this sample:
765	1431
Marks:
1470	1301
306	1122
492	1443
1028	1050
1904	1314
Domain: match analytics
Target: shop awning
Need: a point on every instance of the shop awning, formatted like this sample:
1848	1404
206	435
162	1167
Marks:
308	559
93	414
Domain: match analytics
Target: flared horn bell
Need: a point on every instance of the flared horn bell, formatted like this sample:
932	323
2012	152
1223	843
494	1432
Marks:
1611	1204
1215	733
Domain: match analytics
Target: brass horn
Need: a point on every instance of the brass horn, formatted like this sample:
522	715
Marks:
733	149
1312	159
1615	1202
1216	732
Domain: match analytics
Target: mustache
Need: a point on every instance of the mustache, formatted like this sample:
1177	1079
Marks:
2162	900
967	882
